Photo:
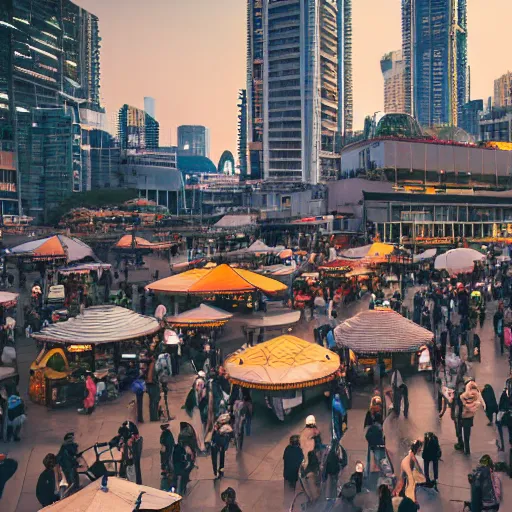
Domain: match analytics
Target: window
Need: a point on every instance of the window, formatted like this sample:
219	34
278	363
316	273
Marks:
56	363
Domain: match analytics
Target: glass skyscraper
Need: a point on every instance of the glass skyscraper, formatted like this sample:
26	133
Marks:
193	140
137	129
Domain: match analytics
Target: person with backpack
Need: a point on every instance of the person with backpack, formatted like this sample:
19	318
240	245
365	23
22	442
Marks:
14	418
431	454
485	487
139	388
221	436
504	416
499	325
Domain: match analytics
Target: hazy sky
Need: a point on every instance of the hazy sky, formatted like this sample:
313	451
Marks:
190	55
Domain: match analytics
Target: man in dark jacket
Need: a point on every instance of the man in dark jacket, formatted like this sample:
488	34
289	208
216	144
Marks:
67	459
7	469
431	454
292	458
46	489
499	325
166	448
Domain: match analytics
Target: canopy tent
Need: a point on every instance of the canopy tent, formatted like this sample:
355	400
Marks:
339	265
86	268
285	362
203	316
120	496
128	242
219	280
8	299
356	252
272	319
53	248
381	331
257	247
277	270
458	261
425	255
371	251
98	325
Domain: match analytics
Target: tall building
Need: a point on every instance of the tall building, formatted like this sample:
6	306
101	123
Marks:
49	76
470	118
503	91
194	140
307	88
137	129
434	45
149	106
255	89
393	70
242	132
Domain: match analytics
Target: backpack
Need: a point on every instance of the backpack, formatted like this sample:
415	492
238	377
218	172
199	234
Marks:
163	367
138	386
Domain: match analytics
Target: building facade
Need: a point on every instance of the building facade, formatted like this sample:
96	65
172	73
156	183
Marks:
242	133
496	125
137	130
49	70
307	88
470	117
393	70
503	91
434	45
194	140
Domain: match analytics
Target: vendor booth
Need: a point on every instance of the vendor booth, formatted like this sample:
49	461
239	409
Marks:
102	339
287	370
118	495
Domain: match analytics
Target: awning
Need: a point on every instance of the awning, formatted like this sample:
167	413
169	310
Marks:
98	325
203	316
127	242
85	268
120	496
286	362
8	299
381	331
219	280
257	247
54	247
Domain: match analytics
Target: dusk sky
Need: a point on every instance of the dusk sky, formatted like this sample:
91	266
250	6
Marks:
190	55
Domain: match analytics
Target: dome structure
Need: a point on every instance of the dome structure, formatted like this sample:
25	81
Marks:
196	164
398	125
226	163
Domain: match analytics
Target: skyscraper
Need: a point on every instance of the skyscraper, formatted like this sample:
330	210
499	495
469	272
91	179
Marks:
149	106
434	45
393	70
242	132
137	129
194	140
503	90
49	77
307	87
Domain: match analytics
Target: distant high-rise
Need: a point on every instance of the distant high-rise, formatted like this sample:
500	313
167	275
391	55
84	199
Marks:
137	129
393	70
503	91
470	117
49	81
149	106
434	45
242	132
194	140
307	87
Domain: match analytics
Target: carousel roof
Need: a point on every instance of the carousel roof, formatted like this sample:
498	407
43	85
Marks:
8	299
285	362
126	241
100	324
202	316
54	247
121	496
221	279
381	331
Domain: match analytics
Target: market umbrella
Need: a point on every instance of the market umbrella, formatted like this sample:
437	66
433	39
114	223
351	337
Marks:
119	496
425	255
202	316
222	279
129	242
381	331
54	248
258	247
379	249
285	362
458	261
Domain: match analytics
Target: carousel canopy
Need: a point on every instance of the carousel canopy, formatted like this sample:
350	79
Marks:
458	261
140	243
222	279
54	247
203	316
98	325
121	496
285	362
8	299
381	331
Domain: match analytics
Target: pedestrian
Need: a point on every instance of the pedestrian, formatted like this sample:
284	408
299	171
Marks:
376	442
410	473
15	417
183	459
471	402
166	449
90	399
153	390
385	499
504	416
400	392
220	443
310	443
48	483
7	469
292	458
491	405
485	487
142	301
431	454
229	498
67	460
332	470
339	418
499	326
138	387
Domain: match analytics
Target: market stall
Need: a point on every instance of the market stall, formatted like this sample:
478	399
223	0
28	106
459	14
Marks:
103	339
119	495
287	369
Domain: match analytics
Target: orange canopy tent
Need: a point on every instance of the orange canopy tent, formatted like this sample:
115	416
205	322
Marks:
56	247
126	242
222	279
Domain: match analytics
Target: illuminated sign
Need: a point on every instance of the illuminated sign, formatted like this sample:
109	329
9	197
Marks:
79	348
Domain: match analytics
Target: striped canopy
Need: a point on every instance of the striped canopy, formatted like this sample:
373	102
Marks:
381	331
98	325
